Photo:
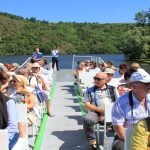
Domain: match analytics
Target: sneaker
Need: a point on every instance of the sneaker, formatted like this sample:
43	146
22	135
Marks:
50	115
93	147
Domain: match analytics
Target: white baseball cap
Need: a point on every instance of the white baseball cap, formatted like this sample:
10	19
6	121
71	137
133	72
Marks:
140	75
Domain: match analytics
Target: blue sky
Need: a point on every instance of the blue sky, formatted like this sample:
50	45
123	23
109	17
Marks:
101	11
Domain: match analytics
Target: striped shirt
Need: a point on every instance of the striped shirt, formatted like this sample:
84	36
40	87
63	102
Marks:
122	113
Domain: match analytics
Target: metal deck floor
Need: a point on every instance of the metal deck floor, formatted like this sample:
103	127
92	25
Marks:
64	131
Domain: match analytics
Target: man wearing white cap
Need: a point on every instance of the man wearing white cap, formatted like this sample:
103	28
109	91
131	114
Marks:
131	107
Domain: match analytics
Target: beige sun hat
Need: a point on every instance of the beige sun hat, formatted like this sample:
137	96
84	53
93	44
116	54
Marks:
109	71
22	79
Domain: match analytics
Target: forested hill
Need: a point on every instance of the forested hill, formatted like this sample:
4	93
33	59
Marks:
20	36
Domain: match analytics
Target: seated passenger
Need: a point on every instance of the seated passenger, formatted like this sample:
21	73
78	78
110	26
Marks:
4	78
94	67
141	135
95	99
81	69
36	79
111	81
127	76
121	90
135	66
131	107
20	94
119	74
8	119
110	65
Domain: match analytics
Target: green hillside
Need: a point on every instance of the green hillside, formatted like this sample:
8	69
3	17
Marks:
20	36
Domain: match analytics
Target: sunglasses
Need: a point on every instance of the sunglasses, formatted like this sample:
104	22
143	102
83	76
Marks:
98	79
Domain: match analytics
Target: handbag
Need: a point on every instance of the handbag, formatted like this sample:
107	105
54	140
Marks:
40	94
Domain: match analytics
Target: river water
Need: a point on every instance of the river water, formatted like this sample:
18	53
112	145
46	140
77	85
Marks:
65	61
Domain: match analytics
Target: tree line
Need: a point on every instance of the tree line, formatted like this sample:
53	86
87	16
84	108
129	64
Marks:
20	36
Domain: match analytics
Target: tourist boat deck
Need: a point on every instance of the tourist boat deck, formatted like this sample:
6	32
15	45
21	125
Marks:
64	131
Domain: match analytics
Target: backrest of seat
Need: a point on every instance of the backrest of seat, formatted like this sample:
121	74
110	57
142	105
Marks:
108	137
128	135
4	139
108	114
86	78
22	112
22	143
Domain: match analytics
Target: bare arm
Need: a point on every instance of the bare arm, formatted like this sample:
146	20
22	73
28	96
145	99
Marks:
120	131
30	101
89	106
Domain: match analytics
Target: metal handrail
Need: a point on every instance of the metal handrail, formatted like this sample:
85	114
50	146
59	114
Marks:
29	59
97	59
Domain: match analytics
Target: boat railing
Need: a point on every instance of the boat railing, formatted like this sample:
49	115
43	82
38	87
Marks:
28	60
77	58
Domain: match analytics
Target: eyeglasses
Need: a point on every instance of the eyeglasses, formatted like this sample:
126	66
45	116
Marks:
98	79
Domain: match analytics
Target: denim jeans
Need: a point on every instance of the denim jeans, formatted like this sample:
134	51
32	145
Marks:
13	141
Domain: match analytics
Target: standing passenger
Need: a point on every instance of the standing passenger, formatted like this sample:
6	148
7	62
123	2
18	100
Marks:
37	55
55	56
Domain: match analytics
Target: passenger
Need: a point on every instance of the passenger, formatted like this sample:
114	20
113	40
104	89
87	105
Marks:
4	78
9	67
110	65
8	119
127	76
15	67
121	90
38	79
94	67
82	69
119	74
141	135
3	68
95	98
111	81
87	65
21	94
37	55
135	66
102	66
131	107
55	55
76	70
